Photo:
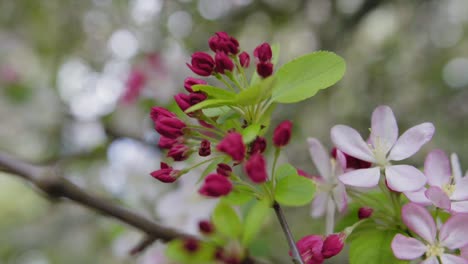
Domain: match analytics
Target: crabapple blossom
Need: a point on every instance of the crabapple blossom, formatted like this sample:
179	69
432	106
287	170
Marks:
331	193
435	244
445	190
383	147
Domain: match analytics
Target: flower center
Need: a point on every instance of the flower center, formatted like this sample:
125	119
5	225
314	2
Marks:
434	251
448	189
380	152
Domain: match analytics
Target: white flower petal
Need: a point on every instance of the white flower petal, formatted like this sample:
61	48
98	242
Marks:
456	168
438	197
437	168
460	207
452	259
350	142
420	221
319	204
453	233
418	197
411	141
340	197
404	178
407	247
320	158
431	260
461	190
361	178
384	128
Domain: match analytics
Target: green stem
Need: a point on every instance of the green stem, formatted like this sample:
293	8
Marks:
228	85
201	163
296	256
273	168
219	133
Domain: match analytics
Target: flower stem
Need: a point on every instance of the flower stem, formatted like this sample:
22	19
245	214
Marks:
296	256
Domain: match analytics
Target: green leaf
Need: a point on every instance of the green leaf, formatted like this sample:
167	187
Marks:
216	111
294	190
285	170
226	220
211	167
239	196
265	119
250	133
275	50
254	221
214	91
175	251
303	77
256	93
209	103
372	246
231	114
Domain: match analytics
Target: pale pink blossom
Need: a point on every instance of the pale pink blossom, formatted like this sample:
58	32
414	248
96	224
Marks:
447	188
331	193
384	146
431	243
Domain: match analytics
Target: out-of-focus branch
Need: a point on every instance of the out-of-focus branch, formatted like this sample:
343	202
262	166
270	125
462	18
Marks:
48	180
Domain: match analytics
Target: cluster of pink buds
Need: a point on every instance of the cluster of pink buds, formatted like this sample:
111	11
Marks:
314	249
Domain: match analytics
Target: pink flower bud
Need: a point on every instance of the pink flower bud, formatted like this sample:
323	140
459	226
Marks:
183	101
222	42
158	112
166	174
191	245
333	245
205	148
365	212
263	52
202	63
167	143
215	185
206	227
232	145
224	169
244	59
190	81
171	127
179	152
223	63
195	98
256	168
258	145
265	69
282	133
135	83
310	248
352	162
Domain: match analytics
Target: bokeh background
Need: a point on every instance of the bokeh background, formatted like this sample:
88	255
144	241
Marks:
77	80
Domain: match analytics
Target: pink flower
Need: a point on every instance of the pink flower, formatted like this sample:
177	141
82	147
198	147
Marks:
384	146
222	42
244	59
215	185
433	243
282	133
223	63
310	247
232	145
202	63
166	174
331	193
263	52
256	168
447	192
333	245
265	69
190	81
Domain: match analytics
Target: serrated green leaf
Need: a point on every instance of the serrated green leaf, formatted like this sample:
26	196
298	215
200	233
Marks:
213	91
204	255
250	133
254	221
285	170
294	190
209	103
226	221
303	77
372	246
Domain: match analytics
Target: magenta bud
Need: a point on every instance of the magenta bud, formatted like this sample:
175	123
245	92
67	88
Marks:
256	168
265	69
222	42
310	248
190	81
158	112
183	101
224	169
232	145
167	143
166	174
282	133
258	145
223	63
202	63
171	127
333	245
179	152
135	83
195	98
365	212
205	148
191	245
263	52
206	227
215	185
244	59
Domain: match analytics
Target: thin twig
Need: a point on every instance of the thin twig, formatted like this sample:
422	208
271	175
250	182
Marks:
296	256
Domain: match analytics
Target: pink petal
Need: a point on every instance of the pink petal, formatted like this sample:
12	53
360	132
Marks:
384	128
464	252
420	221
407	247
340	198
341	162
319	204
452	259
456	168
431	260
361	178
411	141
453	233
418	197
320	158
350	142
460	207
404	178
438	197
461	190
437	168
